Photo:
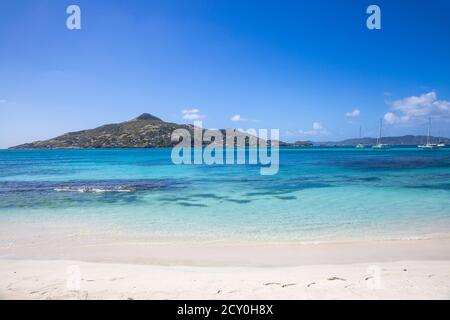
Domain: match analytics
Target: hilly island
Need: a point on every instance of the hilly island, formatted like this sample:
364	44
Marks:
145	131
149	131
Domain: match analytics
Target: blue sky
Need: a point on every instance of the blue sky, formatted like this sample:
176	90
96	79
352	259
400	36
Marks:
264	64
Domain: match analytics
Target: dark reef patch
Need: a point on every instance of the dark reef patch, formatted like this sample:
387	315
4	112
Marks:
190	204
240	201
437	186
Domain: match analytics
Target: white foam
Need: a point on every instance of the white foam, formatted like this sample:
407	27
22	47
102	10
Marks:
412	238
308	243
90	190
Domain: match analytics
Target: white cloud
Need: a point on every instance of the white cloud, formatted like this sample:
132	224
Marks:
418	108
2	101
192	114
353	114
237	118
317	130
317	126
187	111
392	118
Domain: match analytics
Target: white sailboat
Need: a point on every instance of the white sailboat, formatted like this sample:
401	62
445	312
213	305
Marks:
428	145
441	144
360	145
380	145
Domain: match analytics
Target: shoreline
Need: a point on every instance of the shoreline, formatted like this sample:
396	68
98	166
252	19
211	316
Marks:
415	269
317	145
37	263
226	254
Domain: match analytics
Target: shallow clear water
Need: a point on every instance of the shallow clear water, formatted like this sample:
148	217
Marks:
320	194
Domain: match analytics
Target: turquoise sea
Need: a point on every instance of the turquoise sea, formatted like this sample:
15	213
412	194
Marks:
319	194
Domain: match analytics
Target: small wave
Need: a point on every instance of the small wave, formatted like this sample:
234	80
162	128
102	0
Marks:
99	186
92	190
412	238
309	243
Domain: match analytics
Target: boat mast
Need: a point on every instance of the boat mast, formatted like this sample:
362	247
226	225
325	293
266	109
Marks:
379	134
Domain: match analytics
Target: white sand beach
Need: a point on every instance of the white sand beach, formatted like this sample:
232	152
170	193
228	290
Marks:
418	269
398	280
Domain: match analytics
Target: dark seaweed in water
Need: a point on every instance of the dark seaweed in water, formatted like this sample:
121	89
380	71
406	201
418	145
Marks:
351	179
437	186
394	163
286	188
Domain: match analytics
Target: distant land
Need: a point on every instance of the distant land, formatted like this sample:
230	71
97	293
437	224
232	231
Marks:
145	131
148	131
408	140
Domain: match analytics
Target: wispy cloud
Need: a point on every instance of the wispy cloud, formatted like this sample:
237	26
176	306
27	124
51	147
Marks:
418	108
2	101
317	126
353	114
237	118
186	111
317	130
192	114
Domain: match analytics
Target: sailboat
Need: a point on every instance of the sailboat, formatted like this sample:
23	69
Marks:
360	145
441	144
428	145
380	145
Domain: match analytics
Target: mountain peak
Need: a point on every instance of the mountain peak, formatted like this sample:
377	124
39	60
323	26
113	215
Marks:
148	117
